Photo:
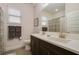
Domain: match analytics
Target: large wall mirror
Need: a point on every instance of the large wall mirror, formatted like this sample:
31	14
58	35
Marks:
61	17
53	16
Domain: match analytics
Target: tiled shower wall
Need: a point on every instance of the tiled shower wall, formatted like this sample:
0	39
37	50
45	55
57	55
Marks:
54	25
1	32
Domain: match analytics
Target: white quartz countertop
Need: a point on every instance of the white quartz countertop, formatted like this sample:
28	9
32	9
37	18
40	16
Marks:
66	43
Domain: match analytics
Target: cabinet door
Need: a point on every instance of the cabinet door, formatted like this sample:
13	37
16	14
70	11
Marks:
46	49
43	51
34	46
52	53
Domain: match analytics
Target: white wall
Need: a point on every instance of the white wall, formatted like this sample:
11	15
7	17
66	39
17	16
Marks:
27	17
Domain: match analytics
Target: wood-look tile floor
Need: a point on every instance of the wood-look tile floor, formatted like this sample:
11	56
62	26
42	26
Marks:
20	51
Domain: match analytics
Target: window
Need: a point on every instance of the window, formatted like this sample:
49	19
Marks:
14	16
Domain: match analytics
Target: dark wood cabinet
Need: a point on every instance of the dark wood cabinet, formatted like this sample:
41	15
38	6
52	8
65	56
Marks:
34	45
43	51
40	47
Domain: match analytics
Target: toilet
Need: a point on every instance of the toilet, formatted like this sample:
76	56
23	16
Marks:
27	44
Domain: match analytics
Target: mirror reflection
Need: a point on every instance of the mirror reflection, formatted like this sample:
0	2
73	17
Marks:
53	17
61	17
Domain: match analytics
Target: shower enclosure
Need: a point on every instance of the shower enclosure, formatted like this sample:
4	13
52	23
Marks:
1	32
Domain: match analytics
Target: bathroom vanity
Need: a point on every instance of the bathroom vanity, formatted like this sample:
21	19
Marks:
43	45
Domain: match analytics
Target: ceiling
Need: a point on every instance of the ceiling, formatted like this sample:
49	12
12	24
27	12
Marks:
51	7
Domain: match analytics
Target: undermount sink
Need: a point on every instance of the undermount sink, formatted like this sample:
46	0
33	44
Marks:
57	38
